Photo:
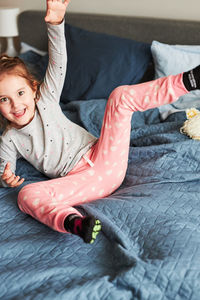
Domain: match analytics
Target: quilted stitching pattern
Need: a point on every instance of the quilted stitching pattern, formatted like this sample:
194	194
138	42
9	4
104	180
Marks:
150	244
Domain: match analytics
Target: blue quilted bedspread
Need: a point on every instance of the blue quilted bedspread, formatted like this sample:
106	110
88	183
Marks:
149	247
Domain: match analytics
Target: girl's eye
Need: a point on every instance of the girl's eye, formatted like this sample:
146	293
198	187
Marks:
21	93
4	99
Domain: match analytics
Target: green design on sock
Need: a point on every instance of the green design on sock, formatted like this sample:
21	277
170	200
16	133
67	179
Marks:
95	231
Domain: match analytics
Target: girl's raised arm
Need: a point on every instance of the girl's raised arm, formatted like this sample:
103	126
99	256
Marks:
52	85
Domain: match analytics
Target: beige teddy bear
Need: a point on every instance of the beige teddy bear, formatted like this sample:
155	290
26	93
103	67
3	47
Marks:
191	126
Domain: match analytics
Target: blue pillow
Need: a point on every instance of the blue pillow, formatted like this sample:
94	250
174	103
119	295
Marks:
174	59
97	63
171	60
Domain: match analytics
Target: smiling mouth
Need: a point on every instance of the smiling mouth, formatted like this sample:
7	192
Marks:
20	113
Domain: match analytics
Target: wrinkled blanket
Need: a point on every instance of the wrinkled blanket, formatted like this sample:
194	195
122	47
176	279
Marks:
149	247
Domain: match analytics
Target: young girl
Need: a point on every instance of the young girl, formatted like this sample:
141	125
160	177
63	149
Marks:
83	167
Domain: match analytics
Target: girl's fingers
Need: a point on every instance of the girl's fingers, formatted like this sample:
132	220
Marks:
10	179
20	182
16	182
12	183
16	179
66	2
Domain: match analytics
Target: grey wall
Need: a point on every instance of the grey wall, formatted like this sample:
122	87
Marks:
173	9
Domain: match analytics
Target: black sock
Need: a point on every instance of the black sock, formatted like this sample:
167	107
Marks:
85	227
191	79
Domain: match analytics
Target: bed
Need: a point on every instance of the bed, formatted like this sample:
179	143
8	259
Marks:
149	247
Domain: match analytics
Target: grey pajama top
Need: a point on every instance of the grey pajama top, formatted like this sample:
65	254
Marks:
50	142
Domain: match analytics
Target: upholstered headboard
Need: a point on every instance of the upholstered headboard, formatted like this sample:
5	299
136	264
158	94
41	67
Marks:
32	28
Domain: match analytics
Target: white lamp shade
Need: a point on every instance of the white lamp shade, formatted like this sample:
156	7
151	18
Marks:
8	21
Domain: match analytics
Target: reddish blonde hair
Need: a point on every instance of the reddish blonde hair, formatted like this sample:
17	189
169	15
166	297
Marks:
16	66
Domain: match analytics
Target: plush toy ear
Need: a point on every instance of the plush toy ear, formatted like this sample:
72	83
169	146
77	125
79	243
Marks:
192	112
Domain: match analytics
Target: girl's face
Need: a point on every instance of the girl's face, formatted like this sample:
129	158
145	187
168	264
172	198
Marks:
17	102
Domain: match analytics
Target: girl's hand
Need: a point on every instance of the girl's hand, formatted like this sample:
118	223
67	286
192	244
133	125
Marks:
10	179
55	11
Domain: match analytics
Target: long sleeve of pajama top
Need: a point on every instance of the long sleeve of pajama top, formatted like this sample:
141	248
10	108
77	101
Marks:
50	142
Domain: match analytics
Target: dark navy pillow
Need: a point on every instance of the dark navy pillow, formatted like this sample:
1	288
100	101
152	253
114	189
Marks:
97	63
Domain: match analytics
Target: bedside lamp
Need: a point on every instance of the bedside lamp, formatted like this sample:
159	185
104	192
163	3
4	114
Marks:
9	28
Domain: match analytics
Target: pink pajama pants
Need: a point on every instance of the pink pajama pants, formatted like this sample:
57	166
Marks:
52	201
